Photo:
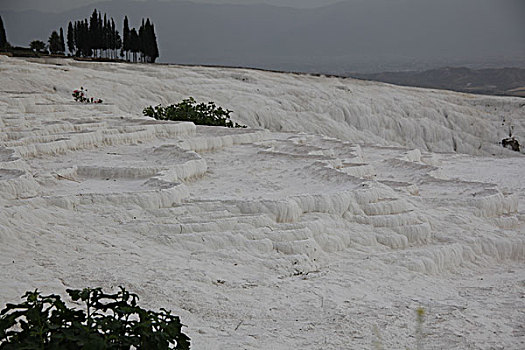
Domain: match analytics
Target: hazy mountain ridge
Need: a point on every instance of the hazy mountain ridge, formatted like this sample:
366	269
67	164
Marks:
369	36
504	81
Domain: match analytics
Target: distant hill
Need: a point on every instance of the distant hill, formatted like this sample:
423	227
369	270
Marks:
350	36
504	81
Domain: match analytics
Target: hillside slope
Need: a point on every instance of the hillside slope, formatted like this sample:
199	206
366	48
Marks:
351	110
503	81
326	224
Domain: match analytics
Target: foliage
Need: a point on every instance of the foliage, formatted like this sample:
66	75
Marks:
134	43
125	37
147	42
189	110
98	37
37	45
54	43
4	44
111	321
70	38
62	43
79	96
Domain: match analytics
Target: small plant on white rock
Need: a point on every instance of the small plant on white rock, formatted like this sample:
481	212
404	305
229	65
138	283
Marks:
81	96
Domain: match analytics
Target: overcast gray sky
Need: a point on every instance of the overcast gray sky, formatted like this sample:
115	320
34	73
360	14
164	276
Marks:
64	5
352	35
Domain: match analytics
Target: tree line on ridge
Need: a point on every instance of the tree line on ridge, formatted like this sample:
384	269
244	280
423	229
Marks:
99	38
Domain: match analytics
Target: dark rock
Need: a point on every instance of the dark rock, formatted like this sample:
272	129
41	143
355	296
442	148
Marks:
511	143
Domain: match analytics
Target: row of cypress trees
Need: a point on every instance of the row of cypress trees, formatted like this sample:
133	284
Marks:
142	44
98	37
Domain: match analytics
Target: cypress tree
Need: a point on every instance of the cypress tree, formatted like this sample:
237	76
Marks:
126	37
99	40
154	54
78	45
147	42
83	38
100	35
54	43
78	38
142	41
87	40
113	38
151	48
93	33
118	42
62	43
106	38
134	43
3	37
75	38
70	38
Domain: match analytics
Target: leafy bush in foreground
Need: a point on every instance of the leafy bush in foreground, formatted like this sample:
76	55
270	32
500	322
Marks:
189	110
111	321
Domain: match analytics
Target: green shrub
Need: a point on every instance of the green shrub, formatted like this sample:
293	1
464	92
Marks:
110	321
189	110
79	96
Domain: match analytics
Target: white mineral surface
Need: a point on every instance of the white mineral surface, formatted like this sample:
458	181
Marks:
342	208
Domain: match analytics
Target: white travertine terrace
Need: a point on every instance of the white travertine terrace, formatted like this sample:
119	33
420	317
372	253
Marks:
325	224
